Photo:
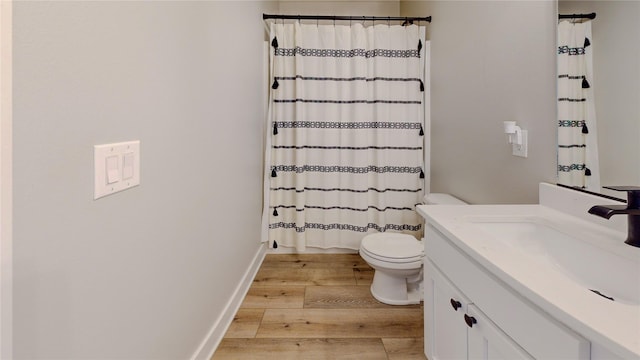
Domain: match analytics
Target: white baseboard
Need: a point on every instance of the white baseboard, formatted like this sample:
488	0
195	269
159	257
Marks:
311	250
216	333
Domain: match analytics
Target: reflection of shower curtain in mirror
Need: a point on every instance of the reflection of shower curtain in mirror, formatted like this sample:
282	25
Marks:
577	140
345	149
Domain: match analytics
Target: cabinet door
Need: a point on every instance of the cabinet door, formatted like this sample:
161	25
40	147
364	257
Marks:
487	341
444	309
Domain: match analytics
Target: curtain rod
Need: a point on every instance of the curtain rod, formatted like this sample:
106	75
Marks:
578	16
352	18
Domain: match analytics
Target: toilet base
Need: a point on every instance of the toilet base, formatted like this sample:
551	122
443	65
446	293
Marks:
393	290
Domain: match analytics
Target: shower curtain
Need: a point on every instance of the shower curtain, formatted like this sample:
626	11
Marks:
344	153
578	164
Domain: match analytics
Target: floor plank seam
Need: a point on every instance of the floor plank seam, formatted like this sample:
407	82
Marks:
304	298
259	324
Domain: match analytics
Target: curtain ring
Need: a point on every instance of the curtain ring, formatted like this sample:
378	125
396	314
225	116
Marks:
389	21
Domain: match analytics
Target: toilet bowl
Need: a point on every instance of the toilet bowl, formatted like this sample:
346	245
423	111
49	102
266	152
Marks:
397	260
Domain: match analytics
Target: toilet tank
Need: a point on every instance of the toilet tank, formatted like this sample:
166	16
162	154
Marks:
442	199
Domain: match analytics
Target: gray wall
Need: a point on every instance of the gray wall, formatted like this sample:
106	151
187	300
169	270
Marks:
492	61
143	273
340	7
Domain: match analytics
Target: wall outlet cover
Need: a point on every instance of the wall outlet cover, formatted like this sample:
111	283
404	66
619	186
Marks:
521	150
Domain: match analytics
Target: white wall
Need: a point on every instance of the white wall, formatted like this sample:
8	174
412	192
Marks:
340	7
144	273
492	61
6	177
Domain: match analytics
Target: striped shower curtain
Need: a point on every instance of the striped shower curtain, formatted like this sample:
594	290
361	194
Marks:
345	145
578	164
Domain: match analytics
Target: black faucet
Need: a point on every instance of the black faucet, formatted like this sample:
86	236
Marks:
632	210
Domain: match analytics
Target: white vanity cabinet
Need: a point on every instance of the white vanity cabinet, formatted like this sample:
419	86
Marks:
444	327
457	329
487	341
470	314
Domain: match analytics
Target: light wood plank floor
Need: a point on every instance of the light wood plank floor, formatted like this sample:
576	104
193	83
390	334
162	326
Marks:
319	307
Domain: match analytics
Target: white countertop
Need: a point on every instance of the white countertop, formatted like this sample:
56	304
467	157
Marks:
614	325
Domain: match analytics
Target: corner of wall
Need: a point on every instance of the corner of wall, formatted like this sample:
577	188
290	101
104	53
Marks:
6	176
210	343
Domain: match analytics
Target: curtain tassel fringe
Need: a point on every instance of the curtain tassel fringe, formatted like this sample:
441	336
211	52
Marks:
421	174
585	129
587	171
585	83
275	128
419	45
273	173
275	244
275	211
274	42
421	131
586	42
275	84
421	86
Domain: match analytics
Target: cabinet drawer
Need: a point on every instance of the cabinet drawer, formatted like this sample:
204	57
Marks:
538	334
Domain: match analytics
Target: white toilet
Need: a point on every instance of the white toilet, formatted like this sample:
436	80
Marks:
397	261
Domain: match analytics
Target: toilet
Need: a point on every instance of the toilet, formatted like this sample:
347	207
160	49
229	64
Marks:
397	261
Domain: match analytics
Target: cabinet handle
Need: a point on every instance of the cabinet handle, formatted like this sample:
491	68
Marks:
470	320
456	304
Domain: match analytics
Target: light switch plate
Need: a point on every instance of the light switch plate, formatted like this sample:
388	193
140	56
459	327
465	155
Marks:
126	174
128	165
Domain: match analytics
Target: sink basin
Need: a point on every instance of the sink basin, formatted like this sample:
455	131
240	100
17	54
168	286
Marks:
611	274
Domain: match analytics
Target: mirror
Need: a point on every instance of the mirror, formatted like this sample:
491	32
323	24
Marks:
615	86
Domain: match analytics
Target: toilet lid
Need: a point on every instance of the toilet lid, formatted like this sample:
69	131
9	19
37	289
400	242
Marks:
393	246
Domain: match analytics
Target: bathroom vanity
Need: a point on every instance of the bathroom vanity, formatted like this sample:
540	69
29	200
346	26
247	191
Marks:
529	282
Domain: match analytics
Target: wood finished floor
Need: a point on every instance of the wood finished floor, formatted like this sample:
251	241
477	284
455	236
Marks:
319	307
